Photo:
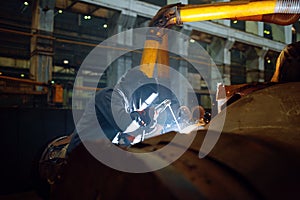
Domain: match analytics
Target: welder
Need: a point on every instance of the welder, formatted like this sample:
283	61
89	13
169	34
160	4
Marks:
126	113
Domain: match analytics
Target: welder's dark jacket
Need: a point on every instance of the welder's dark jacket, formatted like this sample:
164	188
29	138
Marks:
112	110
92	127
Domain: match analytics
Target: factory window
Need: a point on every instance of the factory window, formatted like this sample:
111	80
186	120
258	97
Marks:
238	69
238	74
67	21
240	25
268	31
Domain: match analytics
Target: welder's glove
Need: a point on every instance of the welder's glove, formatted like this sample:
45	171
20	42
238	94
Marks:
125	140
143	117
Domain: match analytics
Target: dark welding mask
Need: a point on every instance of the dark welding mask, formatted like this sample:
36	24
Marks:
140	102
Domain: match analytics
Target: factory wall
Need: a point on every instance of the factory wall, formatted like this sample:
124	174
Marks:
24	133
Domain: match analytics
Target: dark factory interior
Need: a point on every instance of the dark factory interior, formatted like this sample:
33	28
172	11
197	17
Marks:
196	99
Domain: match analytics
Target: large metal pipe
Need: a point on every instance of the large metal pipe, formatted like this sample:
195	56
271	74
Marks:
287	6
237	9
282	12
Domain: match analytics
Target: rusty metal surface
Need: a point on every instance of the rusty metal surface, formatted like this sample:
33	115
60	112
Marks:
275	109
256	157
239	167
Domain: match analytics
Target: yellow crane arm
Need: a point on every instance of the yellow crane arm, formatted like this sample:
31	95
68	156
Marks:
282	12
226	10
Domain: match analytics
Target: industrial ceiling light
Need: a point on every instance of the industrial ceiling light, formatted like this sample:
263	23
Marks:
60	11
105	25
87	17
235	21
22	75
66	61
192	41
26	3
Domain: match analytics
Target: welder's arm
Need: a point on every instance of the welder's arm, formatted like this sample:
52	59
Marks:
132	127
147	117
135	131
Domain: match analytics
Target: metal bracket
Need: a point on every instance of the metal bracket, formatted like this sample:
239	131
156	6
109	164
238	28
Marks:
165	18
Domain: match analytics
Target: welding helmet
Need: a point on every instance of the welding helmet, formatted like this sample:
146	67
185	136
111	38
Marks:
143	97
140	103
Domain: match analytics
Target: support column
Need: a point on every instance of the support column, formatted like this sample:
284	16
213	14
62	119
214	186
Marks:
252	72
183	66
123	21
260	29
216	50
41	47
219	50
288	34
227	60
261	63
182	47
255	64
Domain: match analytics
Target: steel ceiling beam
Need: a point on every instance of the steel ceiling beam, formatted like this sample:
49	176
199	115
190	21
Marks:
149	10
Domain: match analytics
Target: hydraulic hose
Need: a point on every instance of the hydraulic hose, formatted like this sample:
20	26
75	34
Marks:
287	6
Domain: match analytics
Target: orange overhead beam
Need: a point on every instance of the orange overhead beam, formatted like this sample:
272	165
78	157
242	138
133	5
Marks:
163	68
149	57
